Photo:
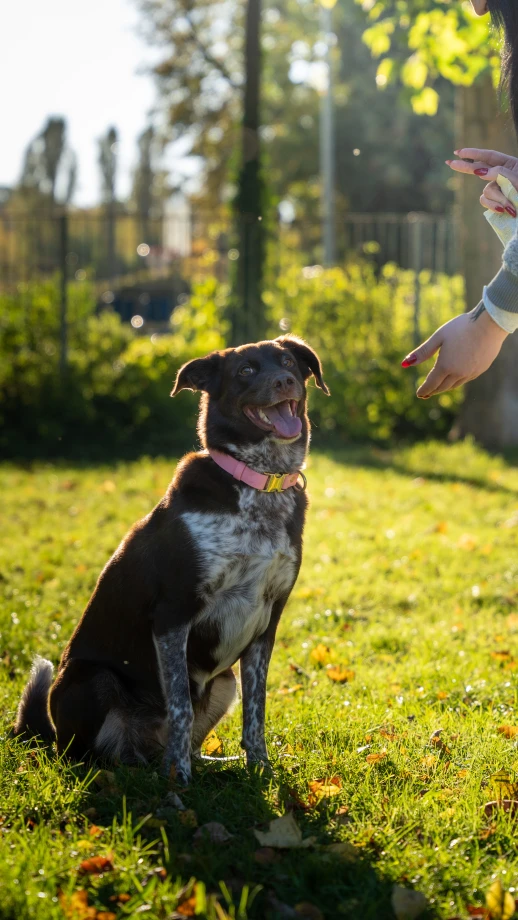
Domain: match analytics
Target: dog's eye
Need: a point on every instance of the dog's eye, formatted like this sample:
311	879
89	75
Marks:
246	370
287	361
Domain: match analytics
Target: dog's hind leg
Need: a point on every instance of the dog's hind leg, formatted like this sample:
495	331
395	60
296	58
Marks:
220	693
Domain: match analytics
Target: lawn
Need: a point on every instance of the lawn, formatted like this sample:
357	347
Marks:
391	718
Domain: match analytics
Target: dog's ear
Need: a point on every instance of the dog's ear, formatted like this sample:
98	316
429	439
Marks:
200	374
307	359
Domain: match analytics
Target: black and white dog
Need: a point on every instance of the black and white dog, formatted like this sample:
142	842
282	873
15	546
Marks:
197	584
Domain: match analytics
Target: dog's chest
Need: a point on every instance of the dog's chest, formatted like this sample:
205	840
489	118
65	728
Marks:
246	562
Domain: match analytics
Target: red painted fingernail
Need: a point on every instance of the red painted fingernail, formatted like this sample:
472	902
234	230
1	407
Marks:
481	172
448	162
511	211
456	152
500	210
409	361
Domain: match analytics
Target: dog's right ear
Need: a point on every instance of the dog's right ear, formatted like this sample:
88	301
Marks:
200	374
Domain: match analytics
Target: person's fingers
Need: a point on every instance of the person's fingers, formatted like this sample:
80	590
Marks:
489	157
493	198
450	383
477	168
433	381
425	351
506	173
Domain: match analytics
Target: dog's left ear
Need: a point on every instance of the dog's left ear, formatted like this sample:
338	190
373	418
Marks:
307	359
200	374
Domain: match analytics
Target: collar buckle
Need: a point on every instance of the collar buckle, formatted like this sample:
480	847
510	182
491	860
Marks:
274	483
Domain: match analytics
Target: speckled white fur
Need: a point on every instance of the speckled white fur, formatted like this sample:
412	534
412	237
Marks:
247	561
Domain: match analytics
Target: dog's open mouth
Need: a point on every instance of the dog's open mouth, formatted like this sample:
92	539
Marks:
281	419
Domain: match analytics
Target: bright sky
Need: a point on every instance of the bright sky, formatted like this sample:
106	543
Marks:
79	60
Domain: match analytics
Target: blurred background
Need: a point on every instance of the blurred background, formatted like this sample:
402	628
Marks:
177	176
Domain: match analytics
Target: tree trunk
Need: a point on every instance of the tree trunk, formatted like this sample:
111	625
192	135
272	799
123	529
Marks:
490	409
248	321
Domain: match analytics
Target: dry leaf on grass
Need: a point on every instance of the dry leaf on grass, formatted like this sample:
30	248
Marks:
501	655
212	831
213	745
95	865
344	850
500	903
503	785
340	675
508	731
323	789
375	758
188	818
187	908
284	834
407	903
75	907
321	654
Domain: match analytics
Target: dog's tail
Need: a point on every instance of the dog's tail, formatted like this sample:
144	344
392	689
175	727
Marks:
32	717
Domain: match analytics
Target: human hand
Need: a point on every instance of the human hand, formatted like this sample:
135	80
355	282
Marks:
487	165
467	346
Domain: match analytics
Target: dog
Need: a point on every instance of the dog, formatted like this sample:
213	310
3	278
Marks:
198	584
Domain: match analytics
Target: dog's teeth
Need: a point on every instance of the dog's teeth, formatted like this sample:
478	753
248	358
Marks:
263	417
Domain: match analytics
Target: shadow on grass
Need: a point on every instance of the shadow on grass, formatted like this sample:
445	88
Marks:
239	799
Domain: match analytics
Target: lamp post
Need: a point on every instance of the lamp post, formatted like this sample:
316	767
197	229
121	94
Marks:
327	141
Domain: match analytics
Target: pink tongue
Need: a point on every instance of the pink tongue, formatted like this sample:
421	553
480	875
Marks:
286	425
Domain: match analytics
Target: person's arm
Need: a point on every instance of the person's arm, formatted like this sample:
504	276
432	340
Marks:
469	344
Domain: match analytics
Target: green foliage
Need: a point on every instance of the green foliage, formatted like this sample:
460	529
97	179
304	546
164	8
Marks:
116	390
409	577
362	324
426	41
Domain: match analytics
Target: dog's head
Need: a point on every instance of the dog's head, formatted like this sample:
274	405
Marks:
254	399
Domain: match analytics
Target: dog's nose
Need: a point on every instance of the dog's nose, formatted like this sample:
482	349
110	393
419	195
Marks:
283	382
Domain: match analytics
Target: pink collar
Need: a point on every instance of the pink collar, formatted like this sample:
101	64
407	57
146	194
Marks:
264	482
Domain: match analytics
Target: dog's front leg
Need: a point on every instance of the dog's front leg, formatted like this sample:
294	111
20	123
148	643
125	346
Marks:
172	657
255	661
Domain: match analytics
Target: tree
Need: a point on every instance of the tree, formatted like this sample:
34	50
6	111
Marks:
418	43
50	166
108	166
149	184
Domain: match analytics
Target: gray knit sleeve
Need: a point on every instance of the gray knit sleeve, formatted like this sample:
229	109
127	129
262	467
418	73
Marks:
501	294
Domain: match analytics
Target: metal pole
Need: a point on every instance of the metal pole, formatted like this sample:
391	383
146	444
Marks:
327	147
63	316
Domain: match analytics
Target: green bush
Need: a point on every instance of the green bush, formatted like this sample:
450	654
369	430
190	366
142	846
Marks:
362	324
115	394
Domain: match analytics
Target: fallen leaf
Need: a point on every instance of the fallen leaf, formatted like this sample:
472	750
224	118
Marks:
389	733
344	850
441	527
105	915
108	486
340	675
321	654
283	833
188	818
75	906
503	785
187	908
442	695
407	903
95	865
375	758
324	789
122	898
95	831
429	761
212	831
503	655
508	731
500	903
283	691
213	745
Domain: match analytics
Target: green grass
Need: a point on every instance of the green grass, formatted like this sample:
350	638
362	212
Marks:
409	579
